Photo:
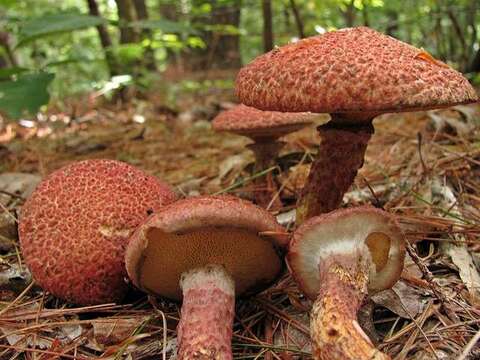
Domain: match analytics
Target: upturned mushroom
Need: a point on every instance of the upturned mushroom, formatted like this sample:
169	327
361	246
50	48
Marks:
337	259
355	74
74	227
206	250
264	128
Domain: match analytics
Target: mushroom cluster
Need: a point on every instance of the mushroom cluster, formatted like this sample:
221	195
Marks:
90	224
354	74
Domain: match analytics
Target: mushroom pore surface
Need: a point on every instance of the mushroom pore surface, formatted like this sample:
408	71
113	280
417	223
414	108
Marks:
251	260
345	235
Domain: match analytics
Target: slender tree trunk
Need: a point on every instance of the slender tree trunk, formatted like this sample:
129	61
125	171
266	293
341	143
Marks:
298	19
463	56
168	10
142	14
105	39
5	43
222	49
349	14
392	25
267	25
126	15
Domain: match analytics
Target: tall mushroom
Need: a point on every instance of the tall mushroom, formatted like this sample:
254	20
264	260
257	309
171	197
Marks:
264	128
336	259
74	227
207	250
355	74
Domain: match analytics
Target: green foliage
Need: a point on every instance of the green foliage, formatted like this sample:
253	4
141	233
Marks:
25	93
47	25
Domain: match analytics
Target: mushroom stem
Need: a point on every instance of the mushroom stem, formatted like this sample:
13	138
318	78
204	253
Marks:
206	322
266	151
338	159
335	331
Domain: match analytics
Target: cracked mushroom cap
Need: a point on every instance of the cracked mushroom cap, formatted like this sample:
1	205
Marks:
251	122
200	231
353	70
74	227
347	233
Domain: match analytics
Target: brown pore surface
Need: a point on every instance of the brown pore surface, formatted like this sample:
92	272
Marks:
350	70
254	123
74	228
251	261
197	231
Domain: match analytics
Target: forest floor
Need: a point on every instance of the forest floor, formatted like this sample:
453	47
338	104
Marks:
423	167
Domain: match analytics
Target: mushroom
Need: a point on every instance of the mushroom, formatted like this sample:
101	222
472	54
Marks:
264	128
336	259
355	74
74	227
206	250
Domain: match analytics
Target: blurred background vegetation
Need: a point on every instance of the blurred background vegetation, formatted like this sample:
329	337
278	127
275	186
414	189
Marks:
60	49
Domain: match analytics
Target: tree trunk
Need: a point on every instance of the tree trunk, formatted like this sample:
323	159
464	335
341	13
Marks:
142	14
267	25
475	65
392	25
349	14
105	39
168	10
298	19
126	15
222	49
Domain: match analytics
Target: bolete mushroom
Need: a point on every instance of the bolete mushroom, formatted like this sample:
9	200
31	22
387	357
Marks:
206	250
355	74
264	128
336	259
74	227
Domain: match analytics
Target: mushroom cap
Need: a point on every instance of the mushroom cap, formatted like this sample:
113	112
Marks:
199	231
354	231
248	121
353	70
74	227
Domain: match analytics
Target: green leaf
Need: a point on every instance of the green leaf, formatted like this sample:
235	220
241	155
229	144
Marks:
53	24
24	94
7	73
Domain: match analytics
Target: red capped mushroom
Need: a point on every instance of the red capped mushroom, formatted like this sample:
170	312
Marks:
354	74
264	128
206	250
337	259
74	227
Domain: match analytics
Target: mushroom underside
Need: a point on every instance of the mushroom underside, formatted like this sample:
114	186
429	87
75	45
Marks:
253	262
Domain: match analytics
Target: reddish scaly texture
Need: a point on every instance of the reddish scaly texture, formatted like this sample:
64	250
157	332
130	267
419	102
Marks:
334	328
205	327
74	228
328	181
252	122
350	70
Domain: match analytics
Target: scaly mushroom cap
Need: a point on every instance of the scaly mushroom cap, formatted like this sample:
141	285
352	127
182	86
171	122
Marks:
248	121
195	232
360	230
74	227
349	71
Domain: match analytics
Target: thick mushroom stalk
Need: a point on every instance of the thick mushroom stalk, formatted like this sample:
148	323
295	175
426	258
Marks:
335	167
335	331
337	259
205	328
